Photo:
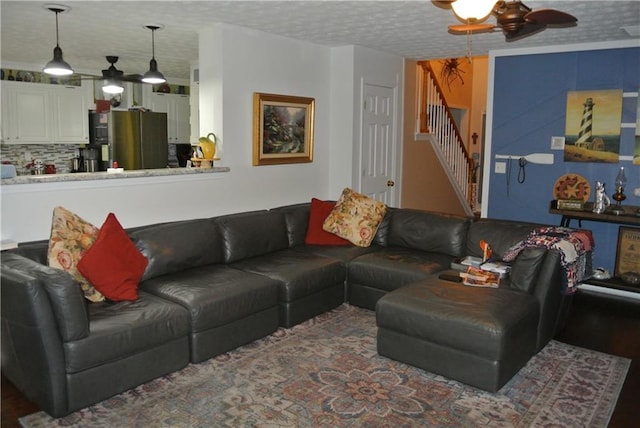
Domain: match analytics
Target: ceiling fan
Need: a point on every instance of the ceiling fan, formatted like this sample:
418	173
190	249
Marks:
118	75
514	19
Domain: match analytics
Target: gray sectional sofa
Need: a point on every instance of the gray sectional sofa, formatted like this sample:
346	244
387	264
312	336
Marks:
214	284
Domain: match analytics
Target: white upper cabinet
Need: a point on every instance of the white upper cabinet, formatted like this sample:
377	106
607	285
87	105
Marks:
70	115
41	114
178	111
26	114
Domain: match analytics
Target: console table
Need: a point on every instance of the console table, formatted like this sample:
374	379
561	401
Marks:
630	216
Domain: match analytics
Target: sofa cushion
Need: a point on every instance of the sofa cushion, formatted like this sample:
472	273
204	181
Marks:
216	295
176	246
64	293
316	235
122	329
252	234
71	237
393	267
501	235
296	218
299	274
356	218
427	231
113	264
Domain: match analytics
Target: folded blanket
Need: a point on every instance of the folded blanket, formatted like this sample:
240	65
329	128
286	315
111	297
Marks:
574	246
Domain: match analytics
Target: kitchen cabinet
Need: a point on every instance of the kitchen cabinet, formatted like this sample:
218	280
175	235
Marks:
26	114
178	109
41	114
70	115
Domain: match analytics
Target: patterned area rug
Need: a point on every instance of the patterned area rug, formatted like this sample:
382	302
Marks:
326	373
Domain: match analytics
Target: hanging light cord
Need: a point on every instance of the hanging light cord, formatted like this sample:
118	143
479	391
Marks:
153	44
57	36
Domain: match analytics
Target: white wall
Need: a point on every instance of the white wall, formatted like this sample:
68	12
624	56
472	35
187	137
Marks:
234	62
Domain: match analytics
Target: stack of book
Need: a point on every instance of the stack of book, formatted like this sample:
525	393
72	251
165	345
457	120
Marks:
478	277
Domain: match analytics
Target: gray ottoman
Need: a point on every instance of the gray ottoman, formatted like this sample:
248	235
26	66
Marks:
478	336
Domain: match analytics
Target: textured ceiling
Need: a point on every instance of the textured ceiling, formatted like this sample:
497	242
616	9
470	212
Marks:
413	29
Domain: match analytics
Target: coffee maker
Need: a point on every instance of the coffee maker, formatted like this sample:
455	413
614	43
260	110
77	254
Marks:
91	158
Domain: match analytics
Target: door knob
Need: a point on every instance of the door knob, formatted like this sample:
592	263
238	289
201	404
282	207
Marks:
390	183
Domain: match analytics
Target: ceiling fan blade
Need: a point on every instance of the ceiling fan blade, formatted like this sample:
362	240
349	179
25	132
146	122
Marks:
470	28
528	29
135	78
550	17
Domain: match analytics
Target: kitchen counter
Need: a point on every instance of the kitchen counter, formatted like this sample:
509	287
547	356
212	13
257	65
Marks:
91	176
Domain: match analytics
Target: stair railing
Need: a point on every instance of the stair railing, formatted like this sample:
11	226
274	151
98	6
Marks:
435	119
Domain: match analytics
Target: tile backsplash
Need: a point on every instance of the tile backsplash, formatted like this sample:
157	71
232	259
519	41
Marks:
58	154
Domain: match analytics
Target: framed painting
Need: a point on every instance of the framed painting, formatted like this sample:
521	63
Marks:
282	129
628	251
592	126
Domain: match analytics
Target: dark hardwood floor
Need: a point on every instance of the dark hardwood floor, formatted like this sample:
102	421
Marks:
605	324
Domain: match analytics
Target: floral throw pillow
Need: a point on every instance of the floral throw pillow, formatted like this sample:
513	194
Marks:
71	237
356	218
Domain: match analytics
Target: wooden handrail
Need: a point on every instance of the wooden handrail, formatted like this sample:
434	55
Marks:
423	116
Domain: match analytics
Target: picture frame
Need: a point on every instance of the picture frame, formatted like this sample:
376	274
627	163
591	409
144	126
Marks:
283	129
628	250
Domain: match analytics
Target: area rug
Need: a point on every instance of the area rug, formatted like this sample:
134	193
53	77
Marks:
326	372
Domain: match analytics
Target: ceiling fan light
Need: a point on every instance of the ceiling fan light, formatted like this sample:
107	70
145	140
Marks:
58	66
112	87
153	76
472	10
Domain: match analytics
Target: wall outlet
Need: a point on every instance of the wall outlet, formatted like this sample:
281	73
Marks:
501	167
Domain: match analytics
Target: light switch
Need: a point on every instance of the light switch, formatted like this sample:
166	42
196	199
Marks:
557	143
501	167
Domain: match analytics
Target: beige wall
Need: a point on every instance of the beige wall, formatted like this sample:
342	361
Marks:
424	183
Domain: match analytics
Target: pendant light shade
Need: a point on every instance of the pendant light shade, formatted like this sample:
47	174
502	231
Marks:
472	10
153	76
57	66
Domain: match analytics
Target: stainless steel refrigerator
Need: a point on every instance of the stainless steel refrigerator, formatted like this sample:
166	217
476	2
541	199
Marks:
138	140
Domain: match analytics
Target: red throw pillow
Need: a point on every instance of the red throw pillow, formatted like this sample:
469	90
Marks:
315	234
113	264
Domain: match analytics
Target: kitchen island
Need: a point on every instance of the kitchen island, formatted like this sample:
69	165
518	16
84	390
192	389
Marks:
137	197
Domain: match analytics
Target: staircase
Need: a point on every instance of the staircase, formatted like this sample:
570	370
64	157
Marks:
439	127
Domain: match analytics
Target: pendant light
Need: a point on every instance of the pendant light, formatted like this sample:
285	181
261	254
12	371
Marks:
57	66
153	76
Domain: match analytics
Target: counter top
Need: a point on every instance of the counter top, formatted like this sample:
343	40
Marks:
89	176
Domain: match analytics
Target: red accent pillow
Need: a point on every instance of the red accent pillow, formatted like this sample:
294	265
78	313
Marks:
113	264
315	234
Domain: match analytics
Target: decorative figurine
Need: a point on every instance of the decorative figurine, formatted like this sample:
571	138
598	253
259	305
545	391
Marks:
602	200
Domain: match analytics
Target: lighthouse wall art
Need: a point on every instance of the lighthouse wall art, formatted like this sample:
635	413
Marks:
592	128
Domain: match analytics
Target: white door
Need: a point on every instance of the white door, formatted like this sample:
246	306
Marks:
378	144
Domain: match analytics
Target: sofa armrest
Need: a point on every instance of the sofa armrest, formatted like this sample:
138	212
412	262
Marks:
537	271
64	294
32	353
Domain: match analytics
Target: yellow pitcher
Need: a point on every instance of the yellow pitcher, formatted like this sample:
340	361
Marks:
208	147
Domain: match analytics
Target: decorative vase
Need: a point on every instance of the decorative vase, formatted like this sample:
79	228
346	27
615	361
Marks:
208	147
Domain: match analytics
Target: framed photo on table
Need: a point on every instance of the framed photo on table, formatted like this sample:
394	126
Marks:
282	129
628	250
